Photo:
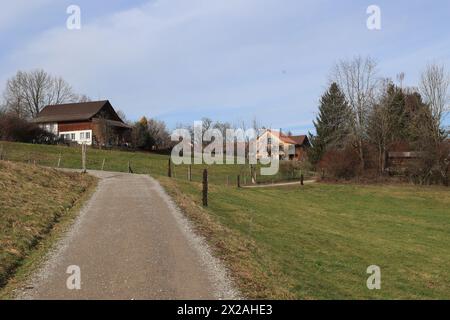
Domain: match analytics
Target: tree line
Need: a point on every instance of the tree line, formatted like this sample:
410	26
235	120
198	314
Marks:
28	92
24	96
363	117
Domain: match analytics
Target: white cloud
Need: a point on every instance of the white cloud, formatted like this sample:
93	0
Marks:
265	58
18	11
171	55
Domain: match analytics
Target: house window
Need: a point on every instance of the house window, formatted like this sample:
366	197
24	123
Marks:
269	140
81	135
72	136
67	136
88	135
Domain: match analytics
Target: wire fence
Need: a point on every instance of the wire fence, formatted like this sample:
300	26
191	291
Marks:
144	163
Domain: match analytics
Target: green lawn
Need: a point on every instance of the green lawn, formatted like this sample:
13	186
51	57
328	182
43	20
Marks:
316	241
141	162
311	242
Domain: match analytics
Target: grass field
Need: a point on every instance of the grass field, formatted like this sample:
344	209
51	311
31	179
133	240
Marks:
316	241
311	242
141	162
32	201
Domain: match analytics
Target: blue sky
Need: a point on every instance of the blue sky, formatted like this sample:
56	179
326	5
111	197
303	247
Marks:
233	60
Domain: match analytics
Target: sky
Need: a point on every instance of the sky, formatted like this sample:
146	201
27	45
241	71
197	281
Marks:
230	60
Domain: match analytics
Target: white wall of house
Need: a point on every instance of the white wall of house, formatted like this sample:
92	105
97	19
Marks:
286	149
82	136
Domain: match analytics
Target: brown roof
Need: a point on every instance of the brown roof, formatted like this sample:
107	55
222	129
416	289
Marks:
114	123
73	112
297	140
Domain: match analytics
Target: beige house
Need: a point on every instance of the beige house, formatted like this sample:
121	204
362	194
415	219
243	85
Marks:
291	147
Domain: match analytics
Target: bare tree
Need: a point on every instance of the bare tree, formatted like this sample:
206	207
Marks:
83	98
122	115
14	101
357	79
60	92
434	87
28	92
159	134
380	125
105	134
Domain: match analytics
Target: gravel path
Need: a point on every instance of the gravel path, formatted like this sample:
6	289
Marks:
131	242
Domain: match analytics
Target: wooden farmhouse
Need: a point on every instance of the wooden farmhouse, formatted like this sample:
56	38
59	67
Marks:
91	123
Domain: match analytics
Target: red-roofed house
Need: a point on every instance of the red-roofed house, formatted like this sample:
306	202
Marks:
291	147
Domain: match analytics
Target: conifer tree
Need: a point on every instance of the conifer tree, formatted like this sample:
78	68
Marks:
331	123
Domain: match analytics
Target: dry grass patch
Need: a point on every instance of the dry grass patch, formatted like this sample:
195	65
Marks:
32	201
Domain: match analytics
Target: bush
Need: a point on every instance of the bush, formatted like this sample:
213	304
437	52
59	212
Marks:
432	166
13	128
340	164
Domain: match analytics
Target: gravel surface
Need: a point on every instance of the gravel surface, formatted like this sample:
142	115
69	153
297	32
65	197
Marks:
131	242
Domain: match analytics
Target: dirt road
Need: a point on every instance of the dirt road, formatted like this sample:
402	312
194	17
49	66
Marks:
130	242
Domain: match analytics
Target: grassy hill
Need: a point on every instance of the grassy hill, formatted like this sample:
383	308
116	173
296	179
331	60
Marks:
311	242
32	200
316	241
141	162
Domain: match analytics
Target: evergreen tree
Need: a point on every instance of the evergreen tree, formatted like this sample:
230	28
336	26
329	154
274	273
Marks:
143	140
394	102
331	123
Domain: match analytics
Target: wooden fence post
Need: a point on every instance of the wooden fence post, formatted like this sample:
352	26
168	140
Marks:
1	152
129	167
103	164
253	173
83	157
190	173
59	160
239	181
205	187
301	179
169	169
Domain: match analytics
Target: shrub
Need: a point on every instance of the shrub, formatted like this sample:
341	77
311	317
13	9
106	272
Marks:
13	128
340	164
432	166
